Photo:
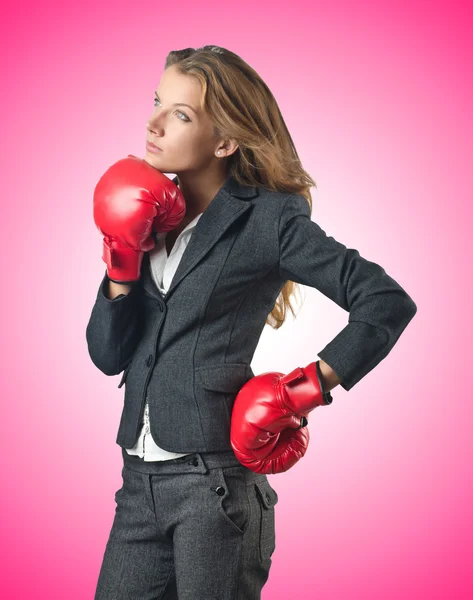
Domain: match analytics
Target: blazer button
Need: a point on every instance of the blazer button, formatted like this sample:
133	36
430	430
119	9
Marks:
149	360
220	490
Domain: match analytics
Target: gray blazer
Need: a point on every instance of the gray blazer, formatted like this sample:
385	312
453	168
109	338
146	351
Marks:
189	352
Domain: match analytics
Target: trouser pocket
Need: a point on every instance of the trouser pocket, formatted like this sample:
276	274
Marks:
232	497
267	498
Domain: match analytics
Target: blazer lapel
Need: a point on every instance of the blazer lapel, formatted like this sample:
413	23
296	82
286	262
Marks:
228	204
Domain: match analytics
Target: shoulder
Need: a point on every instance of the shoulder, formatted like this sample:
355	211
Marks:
283	204
282	207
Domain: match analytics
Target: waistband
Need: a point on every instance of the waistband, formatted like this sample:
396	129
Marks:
197	462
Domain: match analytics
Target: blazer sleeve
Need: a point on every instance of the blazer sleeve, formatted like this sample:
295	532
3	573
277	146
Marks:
379	308
113	330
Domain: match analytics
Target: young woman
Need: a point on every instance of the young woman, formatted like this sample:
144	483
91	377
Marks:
192	522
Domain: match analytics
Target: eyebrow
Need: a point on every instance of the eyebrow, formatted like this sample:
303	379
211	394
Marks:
179	103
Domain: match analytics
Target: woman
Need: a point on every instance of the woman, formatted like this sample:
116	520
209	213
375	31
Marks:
191	521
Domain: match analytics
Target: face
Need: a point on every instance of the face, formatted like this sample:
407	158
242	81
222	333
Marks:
184	133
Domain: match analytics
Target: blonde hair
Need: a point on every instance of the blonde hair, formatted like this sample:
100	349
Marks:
242	107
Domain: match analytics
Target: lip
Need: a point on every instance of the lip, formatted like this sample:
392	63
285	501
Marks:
152	147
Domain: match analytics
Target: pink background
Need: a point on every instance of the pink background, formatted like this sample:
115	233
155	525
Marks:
378	99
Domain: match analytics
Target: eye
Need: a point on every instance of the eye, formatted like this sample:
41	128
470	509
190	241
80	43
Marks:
186	119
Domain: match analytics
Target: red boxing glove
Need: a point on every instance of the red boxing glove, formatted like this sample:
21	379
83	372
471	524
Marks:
131	200
268	430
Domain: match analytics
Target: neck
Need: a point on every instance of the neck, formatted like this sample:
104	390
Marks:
199	190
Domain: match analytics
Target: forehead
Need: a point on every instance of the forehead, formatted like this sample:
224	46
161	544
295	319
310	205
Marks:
178	87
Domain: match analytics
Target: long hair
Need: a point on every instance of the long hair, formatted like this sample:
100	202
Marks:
242	107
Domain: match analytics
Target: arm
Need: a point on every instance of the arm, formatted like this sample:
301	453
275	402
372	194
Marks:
116	290
328	376
379	307
113	330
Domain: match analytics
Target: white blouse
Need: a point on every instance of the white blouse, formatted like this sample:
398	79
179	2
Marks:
162	269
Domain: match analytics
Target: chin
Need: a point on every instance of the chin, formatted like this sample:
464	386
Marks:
153	160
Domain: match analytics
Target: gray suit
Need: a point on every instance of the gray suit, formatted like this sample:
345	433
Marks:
203	527
190	352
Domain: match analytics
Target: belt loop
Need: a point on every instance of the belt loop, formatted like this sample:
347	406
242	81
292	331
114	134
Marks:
198	459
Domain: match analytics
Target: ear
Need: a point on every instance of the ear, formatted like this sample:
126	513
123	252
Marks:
227	148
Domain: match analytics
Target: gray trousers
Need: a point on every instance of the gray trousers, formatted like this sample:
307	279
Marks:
198	527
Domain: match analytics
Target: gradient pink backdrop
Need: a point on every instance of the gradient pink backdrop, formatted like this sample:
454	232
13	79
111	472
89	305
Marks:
378	99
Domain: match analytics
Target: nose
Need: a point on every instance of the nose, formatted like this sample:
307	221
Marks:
153	123
152	131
